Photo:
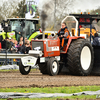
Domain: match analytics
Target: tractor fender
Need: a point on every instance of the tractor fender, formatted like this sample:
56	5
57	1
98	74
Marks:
70	40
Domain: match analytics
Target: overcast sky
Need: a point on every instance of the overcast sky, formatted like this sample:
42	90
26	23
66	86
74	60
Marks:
83	5
86	4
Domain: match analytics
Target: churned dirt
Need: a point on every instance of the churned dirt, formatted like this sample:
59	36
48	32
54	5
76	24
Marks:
36	79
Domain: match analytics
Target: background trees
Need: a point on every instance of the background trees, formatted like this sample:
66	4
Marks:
20	10
63	8
14	8
7	8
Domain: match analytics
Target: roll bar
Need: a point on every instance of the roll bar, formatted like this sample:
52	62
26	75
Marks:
76	28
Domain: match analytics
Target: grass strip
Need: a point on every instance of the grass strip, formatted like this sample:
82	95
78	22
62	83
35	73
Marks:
69	90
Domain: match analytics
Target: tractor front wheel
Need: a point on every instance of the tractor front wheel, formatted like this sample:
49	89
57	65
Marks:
80	57
43	68
52	66
24	70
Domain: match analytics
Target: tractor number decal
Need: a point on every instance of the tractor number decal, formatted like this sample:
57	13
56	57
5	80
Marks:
55	48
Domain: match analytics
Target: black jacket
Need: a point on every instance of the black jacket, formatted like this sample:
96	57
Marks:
61	31
96	41
23	49
27	49
6	43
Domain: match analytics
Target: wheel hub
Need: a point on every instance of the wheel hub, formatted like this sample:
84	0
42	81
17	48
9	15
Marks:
54	66
85	57
27	68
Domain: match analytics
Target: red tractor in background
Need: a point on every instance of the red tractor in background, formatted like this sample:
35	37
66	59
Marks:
77	55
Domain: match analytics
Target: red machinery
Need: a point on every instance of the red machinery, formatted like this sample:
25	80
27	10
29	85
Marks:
77	55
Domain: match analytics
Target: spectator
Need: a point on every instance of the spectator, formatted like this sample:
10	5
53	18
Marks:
16	43
1	38
96	39
12	41
3	43
21	41
23	48
28	47
8	43
25	39
14	48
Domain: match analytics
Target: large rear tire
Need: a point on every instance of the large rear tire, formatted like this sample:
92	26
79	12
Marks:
24	70
52	66
80	57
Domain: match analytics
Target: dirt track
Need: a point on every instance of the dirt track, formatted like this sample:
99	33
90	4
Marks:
36	79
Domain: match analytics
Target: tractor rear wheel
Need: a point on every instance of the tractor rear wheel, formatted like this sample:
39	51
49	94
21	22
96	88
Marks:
43	68
52	66
80	57
24	70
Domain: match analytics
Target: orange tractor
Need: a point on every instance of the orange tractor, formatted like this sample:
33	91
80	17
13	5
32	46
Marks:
77	55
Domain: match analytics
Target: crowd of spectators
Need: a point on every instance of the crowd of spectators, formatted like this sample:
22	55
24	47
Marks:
11	45
14	46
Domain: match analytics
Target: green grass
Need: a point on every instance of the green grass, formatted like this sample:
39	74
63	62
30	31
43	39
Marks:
71	89
11	70
15	70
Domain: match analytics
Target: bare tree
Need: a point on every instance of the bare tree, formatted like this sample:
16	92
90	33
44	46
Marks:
7	8
21	9
63	8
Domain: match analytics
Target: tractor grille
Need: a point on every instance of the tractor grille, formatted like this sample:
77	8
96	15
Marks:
37	44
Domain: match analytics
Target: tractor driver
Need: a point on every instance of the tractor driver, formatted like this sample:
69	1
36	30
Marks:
63	33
